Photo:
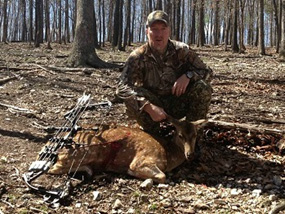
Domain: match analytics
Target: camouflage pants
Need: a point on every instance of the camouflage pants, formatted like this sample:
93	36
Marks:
194	104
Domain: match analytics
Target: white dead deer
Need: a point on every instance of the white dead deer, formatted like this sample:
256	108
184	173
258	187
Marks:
128	150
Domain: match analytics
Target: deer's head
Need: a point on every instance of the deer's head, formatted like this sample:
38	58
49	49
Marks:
186	134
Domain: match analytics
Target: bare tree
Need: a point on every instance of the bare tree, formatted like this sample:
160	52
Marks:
74	18
283	29
150	7
128	24
47	21
31	35
217	23
110	21
159	5
118	23
241	27
182	28
177	19
277	24
66	23
103	24
24	19
250	22
94	31
133	23
5	22
201	38
59	21
39	23
235	47
227	22
257	24
261	47
83	50
193	22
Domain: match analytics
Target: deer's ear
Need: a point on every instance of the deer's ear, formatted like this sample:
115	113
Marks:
182	119
200	123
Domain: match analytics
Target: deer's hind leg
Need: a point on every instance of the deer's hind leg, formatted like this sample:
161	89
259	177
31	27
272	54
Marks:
147	171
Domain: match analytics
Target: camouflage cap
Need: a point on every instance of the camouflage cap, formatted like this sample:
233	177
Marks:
157	15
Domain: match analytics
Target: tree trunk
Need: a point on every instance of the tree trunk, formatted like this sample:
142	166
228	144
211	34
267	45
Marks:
100	23
159	5
59	21
24	24
16	21
83	51
261	47
193	23
74	18
271	29
178	19
251	22
94	30
31	22
132	32
110	21
241	27
150	6
128	24
182	28
47	21
257	25
39	23
66	23
277	25
227	20
116	24
280	18
5	22
216	24
283	29
120	35
235	48
201	39
103	24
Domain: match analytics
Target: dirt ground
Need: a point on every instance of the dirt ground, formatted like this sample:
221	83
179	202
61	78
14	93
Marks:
236	170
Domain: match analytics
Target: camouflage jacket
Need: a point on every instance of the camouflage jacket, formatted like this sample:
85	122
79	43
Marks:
144	70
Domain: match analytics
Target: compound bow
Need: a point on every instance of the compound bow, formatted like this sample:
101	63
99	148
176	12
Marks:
62	138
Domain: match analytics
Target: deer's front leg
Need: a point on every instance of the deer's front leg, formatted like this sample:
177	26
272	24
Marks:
145	171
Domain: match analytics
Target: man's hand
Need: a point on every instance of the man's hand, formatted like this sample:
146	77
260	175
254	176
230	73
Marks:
180	85
156	113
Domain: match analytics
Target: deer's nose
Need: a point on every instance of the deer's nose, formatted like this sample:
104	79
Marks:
190	156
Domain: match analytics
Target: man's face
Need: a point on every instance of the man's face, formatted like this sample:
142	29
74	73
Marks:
158	34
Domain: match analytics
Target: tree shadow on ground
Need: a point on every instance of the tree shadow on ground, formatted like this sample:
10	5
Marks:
24	135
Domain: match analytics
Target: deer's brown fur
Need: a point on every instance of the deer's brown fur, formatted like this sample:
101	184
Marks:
127	150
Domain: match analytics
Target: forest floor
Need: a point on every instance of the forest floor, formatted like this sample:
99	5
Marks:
238	170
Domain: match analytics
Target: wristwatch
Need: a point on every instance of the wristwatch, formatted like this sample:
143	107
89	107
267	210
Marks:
189	74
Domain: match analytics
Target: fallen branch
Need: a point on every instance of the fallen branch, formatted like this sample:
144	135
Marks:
13	68
268	121
253	118
17	108
44	68
6	202
61	69
244	127
8	79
